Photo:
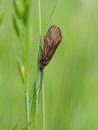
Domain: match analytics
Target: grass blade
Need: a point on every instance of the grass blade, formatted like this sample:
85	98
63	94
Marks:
52	15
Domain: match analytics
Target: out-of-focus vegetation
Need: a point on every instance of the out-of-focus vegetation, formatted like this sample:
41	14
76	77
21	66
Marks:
71	78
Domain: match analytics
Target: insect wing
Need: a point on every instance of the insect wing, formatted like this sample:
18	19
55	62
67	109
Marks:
51	41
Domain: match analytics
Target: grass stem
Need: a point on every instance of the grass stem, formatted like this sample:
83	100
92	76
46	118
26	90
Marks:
40	20
52	14
27	109
43	106
26	58
42	73
26	80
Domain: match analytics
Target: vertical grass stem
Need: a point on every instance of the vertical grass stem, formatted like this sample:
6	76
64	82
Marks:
42	73
52	14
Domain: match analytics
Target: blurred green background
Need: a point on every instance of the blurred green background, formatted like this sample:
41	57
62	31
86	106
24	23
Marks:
71	78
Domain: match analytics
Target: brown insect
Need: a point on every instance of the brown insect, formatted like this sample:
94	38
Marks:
51	41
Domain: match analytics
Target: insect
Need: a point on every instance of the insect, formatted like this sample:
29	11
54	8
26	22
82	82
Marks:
51	41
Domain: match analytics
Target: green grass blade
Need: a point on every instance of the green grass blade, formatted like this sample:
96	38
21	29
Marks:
34	101
52	15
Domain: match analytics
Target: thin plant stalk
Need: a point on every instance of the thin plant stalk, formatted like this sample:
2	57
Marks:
26	89
37	83
40	20
26	60
52	14
43	106
42	73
